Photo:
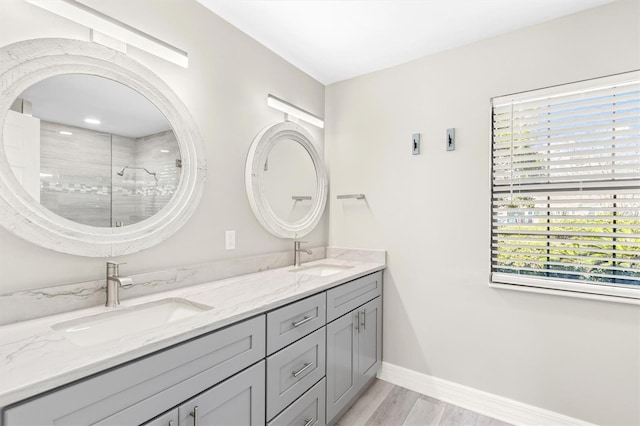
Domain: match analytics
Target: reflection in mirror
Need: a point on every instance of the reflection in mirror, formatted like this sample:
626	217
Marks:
286	180
92	150
289	180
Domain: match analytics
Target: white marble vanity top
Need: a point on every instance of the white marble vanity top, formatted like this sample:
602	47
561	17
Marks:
35	358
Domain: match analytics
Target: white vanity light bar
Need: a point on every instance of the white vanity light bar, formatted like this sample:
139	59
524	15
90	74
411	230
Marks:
293	110
91	18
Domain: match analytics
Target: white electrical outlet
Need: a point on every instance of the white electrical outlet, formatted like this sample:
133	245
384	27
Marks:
230	240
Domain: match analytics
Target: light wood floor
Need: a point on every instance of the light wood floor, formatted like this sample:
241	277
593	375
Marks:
384	404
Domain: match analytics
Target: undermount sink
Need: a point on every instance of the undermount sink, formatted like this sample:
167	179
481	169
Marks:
321	270
111	325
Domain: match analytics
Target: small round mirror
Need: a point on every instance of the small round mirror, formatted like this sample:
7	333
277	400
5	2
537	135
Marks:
286	180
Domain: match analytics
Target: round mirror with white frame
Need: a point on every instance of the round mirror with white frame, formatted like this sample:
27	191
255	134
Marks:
92	150
96	189
286	180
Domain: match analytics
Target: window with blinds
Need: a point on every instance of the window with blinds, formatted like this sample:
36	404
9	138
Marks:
566	187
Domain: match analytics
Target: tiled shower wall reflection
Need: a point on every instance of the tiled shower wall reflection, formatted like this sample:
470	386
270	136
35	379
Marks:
76	174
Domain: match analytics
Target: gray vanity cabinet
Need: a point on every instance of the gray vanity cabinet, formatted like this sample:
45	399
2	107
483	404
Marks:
354	354
286	367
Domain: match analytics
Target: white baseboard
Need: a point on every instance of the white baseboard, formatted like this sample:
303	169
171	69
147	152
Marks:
485	403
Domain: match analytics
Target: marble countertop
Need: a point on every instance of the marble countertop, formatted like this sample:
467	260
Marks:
34	358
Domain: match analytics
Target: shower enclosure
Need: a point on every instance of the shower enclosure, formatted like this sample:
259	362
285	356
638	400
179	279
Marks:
106	180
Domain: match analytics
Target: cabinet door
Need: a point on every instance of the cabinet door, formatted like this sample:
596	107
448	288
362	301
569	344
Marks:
236	401
342	363
166	419
369	340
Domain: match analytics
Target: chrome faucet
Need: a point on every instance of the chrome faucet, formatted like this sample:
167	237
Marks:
114	282
296	252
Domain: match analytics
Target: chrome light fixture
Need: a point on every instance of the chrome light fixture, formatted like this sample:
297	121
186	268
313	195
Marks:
294	111
97	21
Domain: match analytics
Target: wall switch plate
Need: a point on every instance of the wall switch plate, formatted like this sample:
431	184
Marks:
230	240
415	144
451	139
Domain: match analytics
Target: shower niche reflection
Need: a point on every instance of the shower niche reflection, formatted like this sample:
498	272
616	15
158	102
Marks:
92	150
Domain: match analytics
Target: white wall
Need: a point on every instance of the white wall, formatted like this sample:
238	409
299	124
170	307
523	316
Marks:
431	212
225	88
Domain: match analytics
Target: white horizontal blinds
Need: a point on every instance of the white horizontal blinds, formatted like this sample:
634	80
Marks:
566	183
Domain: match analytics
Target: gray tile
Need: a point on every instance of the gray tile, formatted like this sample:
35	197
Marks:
395	408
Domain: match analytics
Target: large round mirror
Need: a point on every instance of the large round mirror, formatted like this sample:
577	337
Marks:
98	156
92	150
286	180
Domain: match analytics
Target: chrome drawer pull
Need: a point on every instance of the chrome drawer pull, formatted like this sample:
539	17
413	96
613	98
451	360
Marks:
194	414
310	422
302	321
302	370
363	323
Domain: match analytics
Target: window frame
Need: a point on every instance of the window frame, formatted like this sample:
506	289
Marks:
547	285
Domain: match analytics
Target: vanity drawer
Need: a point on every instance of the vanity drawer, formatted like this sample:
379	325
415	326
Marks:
307	410
347	297
293	370
139	390
292	322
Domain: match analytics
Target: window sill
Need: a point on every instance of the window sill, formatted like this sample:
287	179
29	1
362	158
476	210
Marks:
632	299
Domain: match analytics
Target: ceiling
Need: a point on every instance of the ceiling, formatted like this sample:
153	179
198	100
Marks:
333	40
70	98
